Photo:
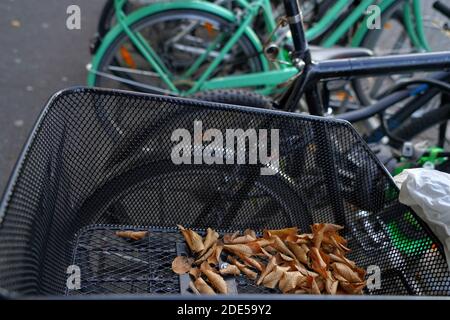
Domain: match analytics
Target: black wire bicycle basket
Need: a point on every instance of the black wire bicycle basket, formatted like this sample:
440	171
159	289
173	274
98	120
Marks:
99	161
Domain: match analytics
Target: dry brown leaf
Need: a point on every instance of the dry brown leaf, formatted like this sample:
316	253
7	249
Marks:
230	269
340	243
249	273
323	231
208	254
305	247
195	272
327	248
310	285
338	277
246	249
281	247
339	257
361	273
339	239
214	258
182	264
265	243
305	271
228	238
281	233
270	266
234	235
270	249
290	280
255	246
304	238
271	280
133	235
320	283
318	264
331	286
193	239
300	291
242	239
243	268
314	287
298	251
216	281
325	257
203	287
210	240
251	262
346	272
16	23
291	264
286	258
265	253
206	266
344	248
250	232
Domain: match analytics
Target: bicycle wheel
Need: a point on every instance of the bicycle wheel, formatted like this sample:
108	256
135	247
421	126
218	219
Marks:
393	38
179	37
270	200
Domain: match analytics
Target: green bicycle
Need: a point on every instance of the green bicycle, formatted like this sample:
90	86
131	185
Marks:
182	48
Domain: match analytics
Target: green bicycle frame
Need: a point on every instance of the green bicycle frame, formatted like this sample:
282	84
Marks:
412	20
273	74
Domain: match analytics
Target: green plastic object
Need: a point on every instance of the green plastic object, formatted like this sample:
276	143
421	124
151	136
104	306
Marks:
401	241
433	157
404	244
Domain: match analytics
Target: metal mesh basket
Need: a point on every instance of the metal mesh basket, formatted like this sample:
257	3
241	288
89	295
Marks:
100	161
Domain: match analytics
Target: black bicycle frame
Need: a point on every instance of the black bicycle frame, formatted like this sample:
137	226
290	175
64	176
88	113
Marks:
307	84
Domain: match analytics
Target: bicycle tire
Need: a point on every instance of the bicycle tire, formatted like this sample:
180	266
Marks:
370	42
236	97
254	61
106	16
415	126
106	21
103	200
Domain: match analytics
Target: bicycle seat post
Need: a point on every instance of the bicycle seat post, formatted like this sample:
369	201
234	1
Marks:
301	58
295	20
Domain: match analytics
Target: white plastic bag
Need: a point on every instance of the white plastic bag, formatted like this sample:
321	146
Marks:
427	192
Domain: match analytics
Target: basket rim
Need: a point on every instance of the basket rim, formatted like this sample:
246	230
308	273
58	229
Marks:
239	297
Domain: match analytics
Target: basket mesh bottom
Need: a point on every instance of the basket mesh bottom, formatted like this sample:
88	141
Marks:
113	265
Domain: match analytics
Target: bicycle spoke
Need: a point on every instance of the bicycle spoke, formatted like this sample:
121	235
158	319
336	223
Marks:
154	55
133	83
203	57
134	71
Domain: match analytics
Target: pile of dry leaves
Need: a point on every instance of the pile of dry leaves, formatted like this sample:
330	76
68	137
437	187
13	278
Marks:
312	263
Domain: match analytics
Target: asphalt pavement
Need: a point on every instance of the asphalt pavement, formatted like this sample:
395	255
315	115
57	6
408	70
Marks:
39	56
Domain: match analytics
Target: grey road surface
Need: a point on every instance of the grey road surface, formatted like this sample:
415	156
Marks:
38	56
